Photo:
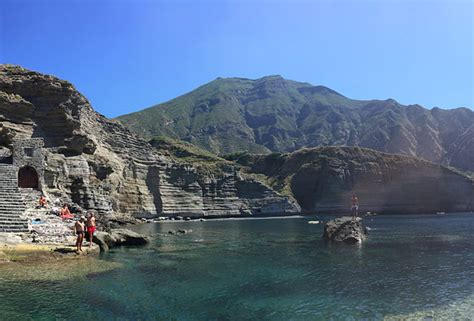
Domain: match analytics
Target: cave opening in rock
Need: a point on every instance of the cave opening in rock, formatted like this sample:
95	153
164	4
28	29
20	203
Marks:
27	177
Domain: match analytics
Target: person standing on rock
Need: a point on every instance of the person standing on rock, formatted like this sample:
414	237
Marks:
90	227
79	231
355	206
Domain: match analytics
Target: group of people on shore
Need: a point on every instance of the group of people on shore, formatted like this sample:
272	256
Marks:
62	212
82	227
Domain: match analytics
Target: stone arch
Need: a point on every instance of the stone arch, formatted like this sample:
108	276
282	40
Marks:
28	177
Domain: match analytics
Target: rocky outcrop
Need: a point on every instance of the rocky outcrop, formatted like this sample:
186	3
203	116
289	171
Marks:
119	237
345	229
100	165
324	179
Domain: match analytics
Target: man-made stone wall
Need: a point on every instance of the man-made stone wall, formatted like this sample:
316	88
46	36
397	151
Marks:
29	152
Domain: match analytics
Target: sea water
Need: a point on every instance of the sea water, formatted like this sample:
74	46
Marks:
412	267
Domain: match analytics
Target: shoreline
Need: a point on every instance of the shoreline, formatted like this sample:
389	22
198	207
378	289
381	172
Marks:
23	252
299	215
36	253
233	218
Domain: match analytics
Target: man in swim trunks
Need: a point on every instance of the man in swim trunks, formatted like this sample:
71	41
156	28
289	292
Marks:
355	206
79	227
90	227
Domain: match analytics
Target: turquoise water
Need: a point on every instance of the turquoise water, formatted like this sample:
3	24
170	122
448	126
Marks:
270	269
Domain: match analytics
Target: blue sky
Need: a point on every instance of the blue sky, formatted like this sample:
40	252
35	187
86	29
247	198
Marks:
126	55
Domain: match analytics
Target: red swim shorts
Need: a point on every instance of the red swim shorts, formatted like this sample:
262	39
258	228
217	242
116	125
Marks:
91	229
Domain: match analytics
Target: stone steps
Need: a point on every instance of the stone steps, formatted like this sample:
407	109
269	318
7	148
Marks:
11	202
11	199
12	205
13	210
14	229
9	224
10	217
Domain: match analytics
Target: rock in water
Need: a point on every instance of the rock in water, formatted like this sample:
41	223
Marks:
126	237
118	237
104	240
345	230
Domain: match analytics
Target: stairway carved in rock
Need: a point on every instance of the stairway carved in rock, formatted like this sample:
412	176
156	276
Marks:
12	206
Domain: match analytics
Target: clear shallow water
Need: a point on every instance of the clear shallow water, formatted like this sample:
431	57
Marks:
272	269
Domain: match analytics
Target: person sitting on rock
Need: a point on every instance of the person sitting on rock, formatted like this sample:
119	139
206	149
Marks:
355	206
65	213
90	227
42	201
79	232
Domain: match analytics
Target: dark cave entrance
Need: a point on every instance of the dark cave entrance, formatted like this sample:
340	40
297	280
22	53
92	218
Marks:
27	177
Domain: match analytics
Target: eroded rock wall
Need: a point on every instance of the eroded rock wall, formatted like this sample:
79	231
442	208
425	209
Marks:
100	165
324	179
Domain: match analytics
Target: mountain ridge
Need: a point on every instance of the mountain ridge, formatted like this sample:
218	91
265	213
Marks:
272	114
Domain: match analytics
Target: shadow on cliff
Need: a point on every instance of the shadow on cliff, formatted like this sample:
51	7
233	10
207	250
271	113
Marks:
153	184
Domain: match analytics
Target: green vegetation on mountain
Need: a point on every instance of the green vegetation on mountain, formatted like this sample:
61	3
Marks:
186	153
183	151
205	163
272	114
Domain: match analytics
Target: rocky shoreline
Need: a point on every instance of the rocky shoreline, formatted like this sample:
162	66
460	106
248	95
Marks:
28	253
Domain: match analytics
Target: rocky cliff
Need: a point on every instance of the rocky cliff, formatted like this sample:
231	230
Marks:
273	114
323	180
99	164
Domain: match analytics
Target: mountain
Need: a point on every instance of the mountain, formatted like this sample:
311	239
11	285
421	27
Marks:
323	179
272	114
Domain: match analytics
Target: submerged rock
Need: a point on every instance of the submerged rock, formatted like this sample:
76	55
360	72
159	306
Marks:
126	237
118	237
181	231
346	230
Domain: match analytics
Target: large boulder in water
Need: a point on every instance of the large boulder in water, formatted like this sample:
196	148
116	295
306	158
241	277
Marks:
345	229
118	237
104	240
126	237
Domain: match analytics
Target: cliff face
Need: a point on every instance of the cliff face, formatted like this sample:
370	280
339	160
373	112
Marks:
99	164
323	179
273	114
